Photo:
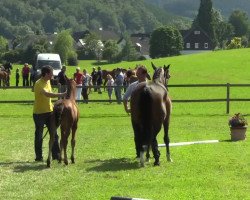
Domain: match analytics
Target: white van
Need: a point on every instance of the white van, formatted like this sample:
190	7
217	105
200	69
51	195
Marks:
51	59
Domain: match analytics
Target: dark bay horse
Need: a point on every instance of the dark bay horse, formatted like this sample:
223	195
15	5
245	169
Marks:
150	109
66	116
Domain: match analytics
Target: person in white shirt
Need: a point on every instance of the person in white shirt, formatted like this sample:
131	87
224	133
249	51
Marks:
110	86
142	75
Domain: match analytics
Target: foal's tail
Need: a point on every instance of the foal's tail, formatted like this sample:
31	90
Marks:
146	115
58	109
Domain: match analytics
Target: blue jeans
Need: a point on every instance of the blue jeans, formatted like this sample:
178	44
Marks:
40	120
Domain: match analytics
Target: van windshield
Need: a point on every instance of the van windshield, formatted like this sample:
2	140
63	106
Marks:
53	63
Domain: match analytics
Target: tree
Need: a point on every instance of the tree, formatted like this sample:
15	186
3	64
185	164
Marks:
64	45
128	52
240	22
3	44
205	19
110	51
92	46
165	41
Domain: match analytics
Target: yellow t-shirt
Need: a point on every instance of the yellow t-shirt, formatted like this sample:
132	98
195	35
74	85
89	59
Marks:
42	103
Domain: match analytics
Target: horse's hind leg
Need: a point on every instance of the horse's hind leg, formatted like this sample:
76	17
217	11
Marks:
65	142
73	143
51	142
166	140
156	152
166	128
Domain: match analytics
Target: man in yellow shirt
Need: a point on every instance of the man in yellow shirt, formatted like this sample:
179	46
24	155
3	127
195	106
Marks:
43	112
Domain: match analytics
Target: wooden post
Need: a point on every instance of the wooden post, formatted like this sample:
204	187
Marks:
228	97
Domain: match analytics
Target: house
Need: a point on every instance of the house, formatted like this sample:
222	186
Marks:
78	38
196	40
141	43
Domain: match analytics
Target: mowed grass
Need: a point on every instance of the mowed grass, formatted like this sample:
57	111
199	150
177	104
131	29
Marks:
105	164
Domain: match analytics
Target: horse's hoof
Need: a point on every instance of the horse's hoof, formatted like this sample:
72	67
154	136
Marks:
169	160
66	162
147	160
72	160
156	163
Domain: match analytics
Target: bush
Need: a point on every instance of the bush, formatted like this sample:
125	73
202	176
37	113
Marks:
72	59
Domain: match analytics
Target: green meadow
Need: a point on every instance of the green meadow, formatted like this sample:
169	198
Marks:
105	156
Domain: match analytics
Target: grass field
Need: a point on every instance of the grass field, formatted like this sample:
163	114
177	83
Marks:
105	164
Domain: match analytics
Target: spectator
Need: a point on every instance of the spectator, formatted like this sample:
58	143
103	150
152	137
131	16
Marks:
17	77
94	78
78	77
119	79
25	74
32	75
99	80
87	82
110	87
62	80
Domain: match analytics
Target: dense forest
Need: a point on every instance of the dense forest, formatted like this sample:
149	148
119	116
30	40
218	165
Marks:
189	8
22	17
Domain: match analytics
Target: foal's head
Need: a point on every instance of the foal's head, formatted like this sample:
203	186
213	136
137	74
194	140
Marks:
71	89
161	74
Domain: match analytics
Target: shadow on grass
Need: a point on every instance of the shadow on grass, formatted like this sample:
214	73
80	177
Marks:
112	165
23	166
226	141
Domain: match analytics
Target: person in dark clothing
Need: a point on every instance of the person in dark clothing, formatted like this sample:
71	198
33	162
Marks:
62	80
17	77
99	80
94	78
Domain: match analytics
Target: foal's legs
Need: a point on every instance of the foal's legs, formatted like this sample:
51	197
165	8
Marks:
51	142
73	143
65	143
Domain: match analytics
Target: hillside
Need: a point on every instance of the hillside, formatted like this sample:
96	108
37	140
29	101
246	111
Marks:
189	8
22	17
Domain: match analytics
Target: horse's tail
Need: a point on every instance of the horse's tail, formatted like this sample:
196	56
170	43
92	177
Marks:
58	109
146	117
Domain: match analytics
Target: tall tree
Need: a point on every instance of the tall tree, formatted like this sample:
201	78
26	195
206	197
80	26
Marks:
205	19
240	22
64	45
165	41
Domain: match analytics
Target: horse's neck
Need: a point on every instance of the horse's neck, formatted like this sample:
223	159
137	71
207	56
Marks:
159	82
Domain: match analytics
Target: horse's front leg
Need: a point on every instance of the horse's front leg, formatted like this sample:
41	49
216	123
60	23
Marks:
51	142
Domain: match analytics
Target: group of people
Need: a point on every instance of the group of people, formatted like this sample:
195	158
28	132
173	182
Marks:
28	75
85	82
43	107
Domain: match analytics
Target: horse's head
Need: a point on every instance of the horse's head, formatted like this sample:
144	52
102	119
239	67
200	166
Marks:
71	89
161	74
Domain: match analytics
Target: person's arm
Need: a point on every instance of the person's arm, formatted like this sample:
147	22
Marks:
127	109
126	98
53	95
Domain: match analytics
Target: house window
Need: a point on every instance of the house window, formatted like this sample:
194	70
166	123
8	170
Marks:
197	32
196	45
188	45
206	45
